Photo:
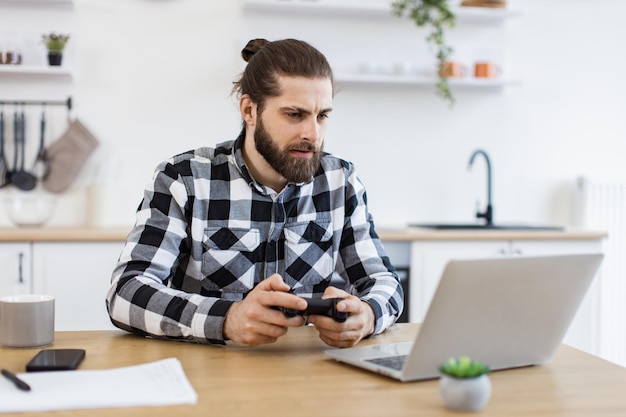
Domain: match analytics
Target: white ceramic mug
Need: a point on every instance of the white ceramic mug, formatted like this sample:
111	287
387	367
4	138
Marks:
26	320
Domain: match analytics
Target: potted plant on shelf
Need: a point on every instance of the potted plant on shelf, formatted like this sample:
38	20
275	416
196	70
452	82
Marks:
55	44
464	384
434	14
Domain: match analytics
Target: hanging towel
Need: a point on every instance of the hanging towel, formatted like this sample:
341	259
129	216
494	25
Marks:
67	155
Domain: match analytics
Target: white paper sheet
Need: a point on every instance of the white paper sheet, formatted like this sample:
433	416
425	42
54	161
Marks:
156	383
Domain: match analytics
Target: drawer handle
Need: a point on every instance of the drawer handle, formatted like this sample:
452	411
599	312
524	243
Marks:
20	274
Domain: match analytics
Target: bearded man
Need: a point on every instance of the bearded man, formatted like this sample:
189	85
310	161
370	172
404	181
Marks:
227	238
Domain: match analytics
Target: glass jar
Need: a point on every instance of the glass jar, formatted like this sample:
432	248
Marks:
11	49
12	54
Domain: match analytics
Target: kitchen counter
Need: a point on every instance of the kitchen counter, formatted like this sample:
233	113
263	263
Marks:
63	234
409	234
418	234
54	259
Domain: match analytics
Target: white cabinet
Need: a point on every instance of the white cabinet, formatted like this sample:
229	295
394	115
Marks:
78	275
428	259
16	276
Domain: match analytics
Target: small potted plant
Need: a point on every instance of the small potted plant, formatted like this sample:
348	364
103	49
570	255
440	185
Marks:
55	44
464	384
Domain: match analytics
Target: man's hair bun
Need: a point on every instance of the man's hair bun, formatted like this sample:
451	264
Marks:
252	48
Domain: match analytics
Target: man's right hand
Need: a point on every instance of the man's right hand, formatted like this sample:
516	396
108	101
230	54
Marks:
253	321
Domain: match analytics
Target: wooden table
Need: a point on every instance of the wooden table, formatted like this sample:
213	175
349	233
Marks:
294	378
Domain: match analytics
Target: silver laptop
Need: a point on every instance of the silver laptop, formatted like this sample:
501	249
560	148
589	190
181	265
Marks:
506	312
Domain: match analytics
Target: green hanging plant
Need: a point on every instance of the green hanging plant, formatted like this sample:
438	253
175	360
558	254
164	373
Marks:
435	14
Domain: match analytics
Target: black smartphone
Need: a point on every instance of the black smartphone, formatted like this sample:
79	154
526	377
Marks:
55	360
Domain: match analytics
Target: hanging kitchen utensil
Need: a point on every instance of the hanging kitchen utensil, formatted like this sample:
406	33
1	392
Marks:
67	155
16	138
40	167
16	127
4	169
22	179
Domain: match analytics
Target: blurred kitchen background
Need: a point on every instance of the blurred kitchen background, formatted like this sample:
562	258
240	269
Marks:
151	78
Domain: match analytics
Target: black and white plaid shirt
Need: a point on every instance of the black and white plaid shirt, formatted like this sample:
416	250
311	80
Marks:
206	233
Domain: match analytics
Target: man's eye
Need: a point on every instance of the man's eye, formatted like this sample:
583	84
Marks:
323	115
294	115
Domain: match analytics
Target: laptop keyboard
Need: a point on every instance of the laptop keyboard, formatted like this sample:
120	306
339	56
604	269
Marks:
393	362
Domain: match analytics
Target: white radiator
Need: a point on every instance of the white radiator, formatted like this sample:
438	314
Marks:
603	207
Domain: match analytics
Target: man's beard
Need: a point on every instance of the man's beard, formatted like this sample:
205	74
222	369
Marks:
292	168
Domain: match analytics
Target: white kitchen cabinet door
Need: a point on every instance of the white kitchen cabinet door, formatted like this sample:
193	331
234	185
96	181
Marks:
78	275
16	261
554	247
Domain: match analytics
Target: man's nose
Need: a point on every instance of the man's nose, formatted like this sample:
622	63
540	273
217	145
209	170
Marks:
311	130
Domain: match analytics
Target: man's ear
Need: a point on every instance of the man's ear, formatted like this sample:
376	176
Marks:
248	110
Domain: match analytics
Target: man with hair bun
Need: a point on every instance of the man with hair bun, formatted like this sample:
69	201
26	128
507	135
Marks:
228	239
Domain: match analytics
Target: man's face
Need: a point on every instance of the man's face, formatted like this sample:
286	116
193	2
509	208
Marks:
289	133
285	161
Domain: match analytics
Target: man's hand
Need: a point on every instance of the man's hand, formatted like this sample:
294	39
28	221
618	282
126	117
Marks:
252	321
360	322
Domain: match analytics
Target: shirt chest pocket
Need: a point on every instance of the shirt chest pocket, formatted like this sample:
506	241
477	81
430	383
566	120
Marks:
308	254
228	259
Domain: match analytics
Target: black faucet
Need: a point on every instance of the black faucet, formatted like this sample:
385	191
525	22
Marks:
488	213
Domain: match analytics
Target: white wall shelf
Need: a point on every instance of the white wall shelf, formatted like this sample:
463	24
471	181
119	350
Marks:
23	22
39	71
348	71
43	4
345	78
365	8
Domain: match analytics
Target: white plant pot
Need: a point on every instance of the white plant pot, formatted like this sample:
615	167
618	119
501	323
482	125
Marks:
465	394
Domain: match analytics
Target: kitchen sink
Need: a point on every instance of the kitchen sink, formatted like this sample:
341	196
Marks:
486	215
475	226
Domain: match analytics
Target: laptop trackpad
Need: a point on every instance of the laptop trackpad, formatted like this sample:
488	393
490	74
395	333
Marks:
390	355
393	362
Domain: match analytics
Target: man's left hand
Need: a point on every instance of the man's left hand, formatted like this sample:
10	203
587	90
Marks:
360	322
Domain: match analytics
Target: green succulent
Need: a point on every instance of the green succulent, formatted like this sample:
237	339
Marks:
55	43
436	14
463	367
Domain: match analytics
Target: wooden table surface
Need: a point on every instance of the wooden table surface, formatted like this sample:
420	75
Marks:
294	378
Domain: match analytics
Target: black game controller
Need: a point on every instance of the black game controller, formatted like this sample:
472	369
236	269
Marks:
327	307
